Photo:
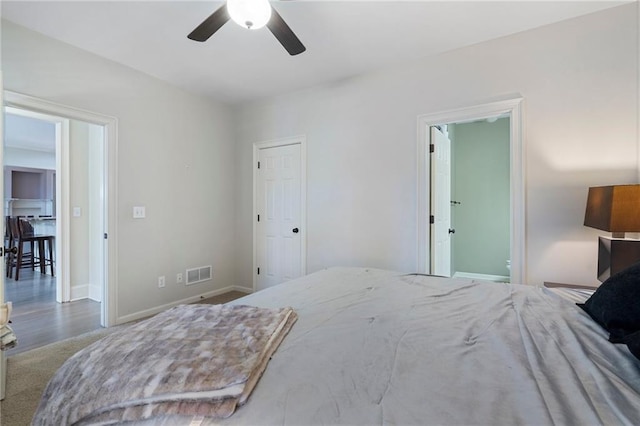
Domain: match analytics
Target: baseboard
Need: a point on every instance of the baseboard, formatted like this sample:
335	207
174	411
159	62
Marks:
483	277
246	290
95	293
152	311
86	291
79	292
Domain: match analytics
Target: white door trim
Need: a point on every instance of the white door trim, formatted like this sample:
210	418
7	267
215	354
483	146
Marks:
257	146
110	124
513	107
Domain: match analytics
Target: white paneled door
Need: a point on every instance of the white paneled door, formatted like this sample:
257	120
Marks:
279	228
441	203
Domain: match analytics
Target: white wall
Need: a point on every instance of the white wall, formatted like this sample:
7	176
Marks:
78	197
86	147
175	156
176	152
579	79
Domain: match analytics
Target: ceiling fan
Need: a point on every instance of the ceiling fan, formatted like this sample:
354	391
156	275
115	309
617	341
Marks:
250	14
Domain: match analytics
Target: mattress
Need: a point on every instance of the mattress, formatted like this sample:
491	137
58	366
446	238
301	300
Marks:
575	295
382	347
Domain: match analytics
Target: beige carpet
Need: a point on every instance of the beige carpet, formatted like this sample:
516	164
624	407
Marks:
29	372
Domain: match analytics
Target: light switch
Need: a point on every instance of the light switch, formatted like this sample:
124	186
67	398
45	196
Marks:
139	212
77	212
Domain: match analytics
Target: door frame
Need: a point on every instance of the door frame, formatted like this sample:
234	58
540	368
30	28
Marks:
110	124
513	107
257	146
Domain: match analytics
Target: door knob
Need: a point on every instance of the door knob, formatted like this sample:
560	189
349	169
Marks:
295	230
4	251
452	231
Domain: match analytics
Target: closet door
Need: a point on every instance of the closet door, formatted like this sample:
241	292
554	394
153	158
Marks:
278	232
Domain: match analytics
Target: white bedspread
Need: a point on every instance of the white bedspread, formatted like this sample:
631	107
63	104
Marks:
377	347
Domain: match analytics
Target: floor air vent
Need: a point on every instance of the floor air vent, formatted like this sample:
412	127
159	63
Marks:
197	275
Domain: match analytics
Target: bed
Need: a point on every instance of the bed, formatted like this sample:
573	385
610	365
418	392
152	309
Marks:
381	347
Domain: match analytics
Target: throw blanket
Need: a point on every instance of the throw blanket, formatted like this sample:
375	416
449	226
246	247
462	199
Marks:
198	360
8	338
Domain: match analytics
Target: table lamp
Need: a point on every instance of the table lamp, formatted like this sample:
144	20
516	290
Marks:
614	209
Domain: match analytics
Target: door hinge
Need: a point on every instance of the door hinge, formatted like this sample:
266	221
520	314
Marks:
258	164
432	148
258	271
432	219
105	235
258	218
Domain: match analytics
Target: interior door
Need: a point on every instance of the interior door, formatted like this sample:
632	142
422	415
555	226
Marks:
278	231
441	203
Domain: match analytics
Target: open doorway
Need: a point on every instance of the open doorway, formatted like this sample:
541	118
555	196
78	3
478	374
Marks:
54	182
470	196
103	128
31	144
428	201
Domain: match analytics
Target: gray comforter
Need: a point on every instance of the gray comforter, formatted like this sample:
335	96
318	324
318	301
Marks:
379	347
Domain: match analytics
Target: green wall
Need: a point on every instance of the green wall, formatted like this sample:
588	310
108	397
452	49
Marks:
480	182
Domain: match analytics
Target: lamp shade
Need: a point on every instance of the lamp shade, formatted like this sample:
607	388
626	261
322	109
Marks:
613	208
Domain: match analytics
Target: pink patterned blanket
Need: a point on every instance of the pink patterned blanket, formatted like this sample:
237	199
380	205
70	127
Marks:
193	360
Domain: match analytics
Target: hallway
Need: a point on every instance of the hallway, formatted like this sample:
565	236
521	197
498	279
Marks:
38	319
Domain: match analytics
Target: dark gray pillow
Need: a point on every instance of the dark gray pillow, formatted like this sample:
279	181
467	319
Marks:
615	305
633	342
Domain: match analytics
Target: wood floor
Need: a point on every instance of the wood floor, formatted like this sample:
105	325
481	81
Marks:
38	319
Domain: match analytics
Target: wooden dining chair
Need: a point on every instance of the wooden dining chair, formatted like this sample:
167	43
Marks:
23	258
8	243
22	233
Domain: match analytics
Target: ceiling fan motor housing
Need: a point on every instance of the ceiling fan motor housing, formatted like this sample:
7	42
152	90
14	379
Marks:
251	14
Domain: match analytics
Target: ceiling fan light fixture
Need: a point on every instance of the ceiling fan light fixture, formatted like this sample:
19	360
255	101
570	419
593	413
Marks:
251	14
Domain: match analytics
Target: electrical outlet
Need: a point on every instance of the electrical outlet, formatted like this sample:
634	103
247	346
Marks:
139	212
161	281
179	278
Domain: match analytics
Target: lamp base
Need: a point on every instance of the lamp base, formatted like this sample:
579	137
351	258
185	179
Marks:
614	255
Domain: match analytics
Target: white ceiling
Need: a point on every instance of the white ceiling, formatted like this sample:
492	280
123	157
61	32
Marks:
343	38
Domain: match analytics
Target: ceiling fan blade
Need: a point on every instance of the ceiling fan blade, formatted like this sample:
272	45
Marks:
283	33
210	25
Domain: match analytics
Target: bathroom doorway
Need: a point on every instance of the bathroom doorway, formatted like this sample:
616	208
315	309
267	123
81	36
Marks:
511	111
473	240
